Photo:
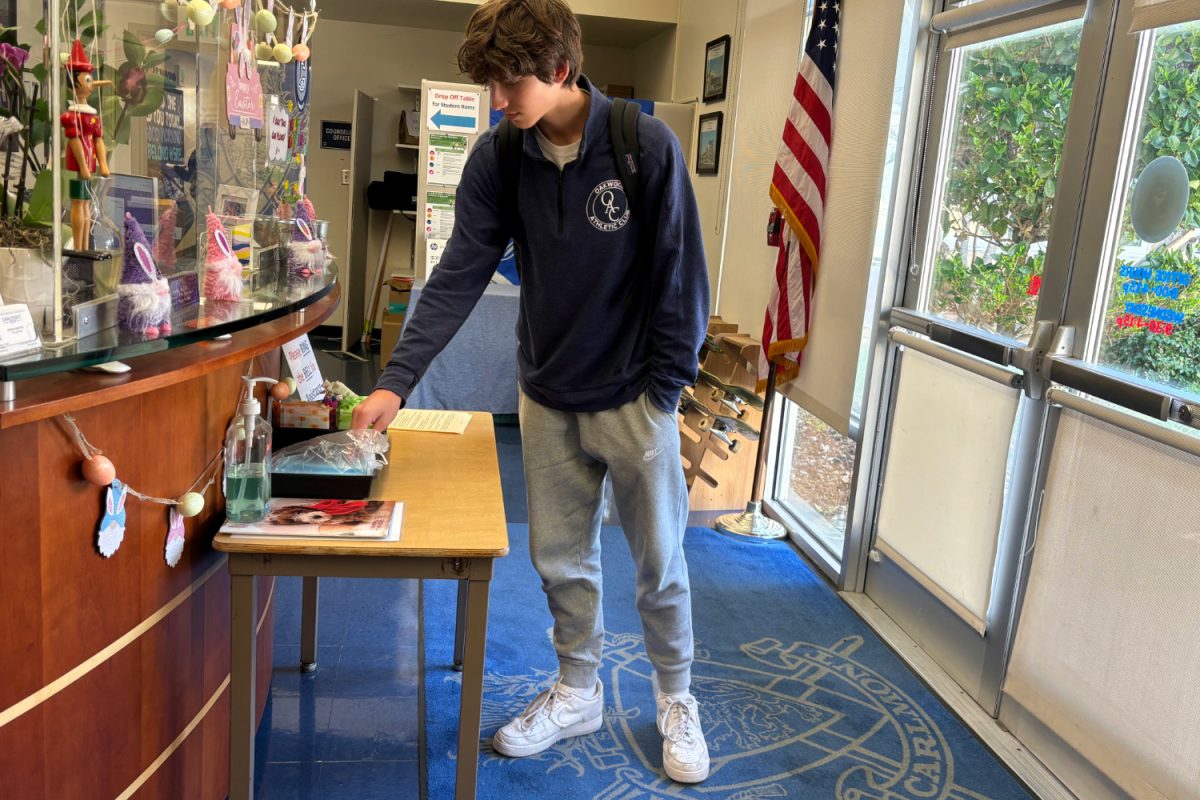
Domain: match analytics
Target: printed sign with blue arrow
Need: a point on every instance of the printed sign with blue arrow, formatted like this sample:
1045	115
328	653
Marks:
441	119
453	109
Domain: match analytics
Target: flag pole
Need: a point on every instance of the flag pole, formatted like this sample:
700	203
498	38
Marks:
752	524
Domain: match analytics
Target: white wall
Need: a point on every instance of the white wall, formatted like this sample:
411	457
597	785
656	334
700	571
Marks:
701	21
773	29
654	68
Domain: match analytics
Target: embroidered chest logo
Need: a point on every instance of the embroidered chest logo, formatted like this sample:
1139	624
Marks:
608	208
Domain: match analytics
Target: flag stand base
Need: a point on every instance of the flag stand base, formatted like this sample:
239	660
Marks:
751	525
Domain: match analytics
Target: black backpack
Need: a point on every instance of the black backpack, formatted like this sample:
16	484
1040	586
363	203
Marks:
623	133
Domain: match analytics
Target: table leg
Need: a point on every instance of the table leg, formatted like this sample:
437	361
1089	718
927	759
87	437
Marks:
459	625
308	624
241	686
470	710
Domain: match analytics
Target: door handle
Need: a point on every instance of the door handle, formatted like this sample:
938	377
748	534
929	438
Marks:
1049	340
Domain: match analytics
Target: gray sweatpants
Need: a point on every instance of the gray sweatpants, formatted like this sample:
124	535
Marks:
566	457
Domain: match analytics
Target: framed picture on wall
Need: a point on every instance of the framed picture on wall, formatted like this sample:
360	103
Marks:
708	144
716	68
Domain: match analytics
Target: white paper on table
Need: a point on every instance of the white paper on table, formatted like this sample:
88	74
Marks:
432	421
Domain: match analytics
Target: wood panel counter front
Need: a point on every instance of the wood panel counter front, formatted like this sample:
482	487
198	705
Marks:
116	671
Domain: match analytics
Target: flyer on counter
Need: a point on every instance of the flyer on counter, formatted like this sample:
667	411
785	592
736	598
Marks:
417	419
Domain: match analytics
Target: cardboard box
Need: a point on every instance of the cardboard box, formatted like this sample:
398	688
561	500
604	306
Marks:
392	323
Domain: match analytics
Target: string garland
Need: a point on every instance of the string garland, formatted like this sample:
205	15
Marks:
90	451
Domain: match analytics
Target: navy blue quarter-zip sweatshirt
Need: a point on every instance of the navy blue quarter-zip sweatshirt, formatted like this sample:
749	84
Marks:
599	322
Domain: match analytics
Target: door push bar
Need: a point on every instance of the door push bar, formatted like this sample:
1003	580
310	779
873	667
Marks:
965	348
1047	360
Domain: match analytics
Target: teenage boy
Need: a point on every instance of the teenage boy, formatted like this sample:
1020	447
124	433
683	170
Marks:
614	305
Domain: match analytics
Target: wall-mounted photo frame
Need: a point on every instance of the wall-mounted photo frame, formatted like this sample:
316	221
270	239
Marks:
716	69
708	143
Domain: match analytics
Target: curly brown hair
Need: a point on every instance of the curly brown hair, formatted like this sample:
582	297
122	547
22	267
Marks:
507	40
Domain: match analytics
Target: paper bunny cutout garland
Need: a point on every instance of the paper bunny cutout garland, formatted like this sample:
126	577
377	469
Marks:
112	524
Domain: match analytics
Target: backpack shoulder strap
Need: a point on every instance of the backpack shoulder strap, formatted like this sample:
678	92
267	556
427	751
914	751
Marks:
623	129
512	146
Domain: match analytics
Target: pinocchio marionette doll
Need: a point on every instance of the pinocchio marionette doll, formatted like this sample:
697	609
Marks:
86	153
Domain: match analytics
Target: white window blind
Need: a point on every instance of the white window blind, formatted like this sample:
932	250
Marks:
861	118
993	19
1160	13
1106	652
943	485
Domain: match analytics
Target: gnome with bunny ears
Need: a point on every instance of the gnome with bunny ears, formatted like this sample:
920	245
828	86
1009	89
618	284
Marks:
306	253
222	270
143	295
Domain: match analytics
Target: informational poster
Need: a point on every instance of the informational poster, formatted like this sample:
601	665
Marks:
164	132
303	363
439	215
453	111
446	157
433	253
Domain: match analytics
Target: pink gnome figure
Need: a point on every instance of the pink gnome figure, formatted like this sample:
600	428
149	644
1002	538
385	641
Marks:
222	270
143	295
306	253
308	207
164	240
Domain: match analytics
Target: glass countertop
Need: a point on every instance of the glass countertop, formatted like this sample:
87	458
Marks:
197	322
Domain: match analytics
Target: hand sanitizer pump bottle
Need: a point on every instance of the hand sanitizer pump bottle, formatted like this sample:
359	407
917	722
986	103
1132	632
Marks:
248	460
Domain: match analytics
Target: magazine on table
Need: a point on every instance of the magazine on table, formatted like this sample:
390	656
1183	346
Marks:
377	520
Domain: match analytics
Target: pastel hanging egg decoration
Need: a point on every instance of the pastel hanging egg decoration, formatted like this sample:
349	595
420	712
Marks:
300	52
282	53
99	470
164	35
229	5
200	13
191	504
263	51
265	22
281	391
291	383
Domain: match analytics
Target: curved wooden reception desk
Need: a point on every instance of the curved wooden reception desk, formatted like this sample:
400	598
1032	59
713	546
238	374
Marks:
116	671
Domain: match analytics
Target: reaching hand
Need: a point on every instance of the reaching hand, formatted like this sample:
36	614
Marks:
377	411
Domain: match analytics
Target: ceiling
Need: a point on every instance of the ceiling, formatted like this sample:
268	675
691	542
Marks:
453	15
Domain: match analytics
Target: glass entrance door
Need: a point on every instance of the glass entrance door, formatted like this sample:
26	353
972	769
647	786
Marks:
1045	380
965	414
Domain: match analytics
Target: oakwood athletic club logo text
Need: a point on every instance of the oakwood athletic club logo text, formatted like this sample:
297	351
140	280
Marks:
608	208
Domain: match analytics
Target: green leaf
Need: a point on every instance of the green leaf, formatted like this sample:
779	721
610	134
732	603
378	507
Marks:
134	51
154	58
40	209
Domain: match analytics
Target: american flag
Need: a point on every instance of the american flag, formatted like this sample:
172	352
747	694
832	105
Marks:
798	191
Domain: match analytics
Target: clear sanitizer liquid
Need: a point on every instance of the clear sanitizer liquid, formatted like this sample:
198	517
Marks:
247	480
247	492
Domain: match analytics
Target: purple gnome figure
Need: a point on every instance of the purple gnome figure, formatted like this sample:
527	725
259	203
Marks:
143	295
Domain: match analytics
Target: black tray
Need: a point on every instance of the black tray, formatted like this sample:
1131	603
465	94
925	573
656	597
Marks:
282	437
321	487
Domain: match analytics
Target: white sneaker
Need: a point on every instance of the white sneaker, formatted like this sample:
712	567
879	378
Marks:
557	713
685	753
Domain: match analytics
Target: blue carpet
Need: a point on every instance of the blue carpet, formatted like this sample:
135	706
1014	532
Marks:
798	697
